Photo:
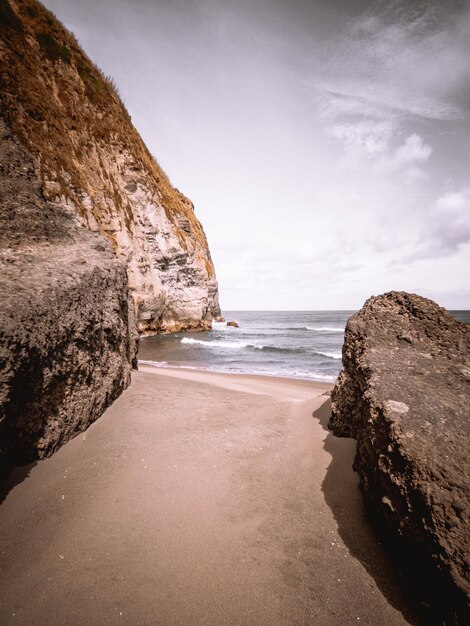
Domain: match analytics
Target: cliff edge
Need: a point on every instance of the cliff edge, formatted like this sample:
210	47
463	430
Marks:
94	166
404	395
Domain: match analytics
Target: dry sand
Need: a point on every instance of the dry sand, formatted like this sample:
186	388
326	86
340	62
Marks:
198	498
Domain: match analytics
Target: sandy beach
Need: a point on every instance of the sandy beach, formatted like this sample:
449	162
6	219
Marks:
198	498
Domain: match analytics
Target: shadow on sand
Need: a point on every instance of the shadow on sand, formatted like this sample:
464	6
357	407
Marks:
343	496
15	477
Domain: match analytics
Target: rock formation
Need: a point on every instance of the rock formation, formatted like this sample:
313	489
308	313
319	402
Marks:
93	164
66	339
404	395
94	240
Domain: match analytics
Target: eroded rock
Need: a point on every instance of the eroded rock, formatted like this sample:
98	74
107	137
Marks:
405	397
66	330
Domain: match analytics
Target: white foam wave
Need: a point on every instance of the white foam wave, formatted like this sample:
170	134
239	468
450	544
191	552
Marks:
330	329
332	355
283	373
153	363
234	345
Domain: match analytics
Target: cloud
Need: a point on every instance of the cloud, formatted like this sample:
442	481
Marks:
368	146
414	149
369	136
402	63
447	228
406	159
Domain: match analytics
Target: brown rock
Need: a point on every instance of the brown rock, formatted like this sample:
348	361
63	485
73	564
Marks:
405	396
234	324
66	339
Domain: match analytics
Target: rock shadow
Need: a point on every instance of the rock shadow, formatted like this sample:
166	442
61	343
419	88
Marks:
14	478
344	498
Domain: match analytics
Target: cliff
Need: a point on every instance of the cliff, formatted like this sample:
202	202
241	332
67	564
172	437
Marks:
93	165
94	240
404	395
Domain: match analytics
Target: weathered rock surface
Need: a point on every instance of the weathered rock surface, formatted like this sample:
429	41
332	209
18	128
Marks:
93	164
66	340
404	394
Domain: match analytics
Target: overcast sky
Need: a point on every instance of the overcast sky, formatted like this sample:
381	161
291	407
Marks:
324	143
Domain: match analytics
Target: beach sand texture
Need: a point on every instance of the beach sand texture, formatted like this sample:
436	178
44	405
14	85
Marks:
198	498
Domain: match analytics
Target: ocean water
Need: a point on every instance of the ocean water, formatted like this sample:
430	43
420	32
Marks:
294	344
298	344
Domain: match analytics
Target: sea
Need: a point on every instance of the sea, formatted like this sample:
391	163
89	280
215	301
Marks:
291	344
294	344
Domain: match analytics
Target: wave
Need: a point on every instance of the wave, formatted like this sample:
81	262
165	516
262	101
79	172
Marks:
308	376
296	374
277	349
237	345
232	345
290	327
154	363
331	355
329	329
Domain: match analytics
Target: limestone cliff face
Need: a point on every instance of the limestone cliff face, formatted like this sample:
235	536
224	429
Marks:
94	165
404	395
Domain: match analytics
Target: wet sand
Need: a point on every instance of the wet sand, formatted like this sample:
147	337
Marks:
198	498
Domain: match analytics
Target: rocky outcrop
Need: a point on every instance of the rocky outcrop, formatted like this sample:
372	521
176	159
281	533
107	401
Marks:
66	339
404	394
93	166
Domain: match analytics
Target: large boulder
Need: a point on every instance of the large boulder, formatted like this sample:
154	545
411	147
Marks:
404	395
67	337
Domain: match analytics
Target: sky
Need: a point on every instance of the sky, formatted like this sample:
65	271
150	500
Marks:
324	143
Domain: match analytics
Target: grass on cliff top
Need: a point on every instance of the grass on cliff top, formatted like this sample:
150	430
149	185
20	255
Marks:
55	99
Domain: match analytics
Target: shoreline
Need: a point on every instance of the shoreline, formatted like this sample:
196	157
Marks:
155	365
293	389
